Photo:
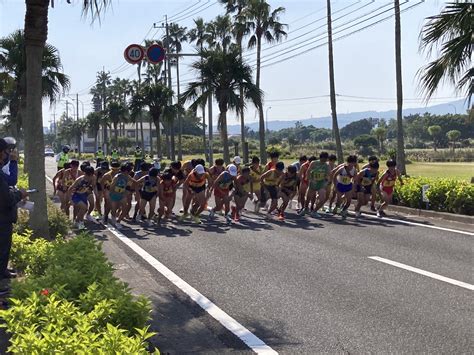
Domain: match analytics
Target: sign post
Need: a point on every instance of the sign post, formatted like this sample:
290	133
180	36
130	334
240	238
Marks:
425	199
134	54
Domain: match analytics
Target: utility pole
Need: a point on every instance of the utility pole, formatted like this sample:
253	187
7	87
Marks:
67	109
77	107
209	105
170	85
332	87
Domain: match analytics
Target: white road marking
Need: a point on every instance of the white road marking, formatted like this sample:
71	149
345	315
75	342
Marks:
413	223
250	339
423	272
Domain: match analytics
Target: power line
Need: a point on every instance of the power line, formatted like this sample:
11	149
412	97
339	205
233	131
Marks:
180	13
198	10
340	37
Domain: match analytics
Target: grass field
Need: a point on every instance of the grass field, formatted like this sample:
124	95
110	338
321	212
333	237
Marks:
463	171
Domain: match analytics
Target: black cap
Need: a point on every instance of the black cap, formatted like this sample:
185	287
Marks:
3	145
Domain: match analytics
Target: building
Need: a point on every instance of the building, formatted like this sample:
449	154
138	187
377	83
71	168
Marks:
130	131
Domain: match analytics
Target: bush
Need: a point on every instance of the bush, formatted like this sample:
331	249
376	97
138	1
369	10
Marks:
45	323
78	271
59	224
445	195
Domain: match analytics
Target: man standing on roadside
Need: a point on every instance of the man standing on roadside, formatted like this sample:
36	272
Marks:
9	199
63	157
11	168
138	155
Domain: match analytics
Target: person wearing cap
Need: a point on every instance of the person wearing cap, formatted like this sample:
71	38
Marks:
63	157
195	185
9	198
222	187
237	161
11	168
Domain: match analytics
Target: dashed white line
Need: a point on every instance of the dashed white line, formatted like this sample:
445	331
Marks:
423	272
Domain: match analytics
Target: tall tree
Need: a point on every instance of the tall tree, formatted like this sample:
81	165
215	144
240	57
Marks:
36	33
223	73
435	132
453	137
398	70
116	112
381	134
332	87
94	120
178	34
264	25
198	35
101	93
240	30
452	31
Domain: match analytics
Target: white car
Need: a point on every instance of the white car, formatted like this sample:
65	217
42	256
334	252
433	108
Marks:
48	152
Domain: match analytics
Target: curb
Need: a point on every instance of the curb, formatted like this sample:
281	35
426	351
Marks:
432	214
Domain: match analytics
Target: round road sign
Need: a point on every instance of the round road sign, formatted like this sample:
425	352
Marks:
155	53
134	53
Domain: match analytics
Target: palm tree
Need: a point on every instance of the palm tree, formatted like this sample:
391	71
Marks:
452	31
199	35
240	30
157	97
332	87
434	131
136	108
381	134
265	25
177	35
101	91
398	71
220	32
78	127
13	66
223	73
453	137
94	119
36	32
116	112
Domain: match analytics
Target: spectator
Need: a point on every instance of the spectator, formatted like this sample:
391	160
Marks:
9	199
11	168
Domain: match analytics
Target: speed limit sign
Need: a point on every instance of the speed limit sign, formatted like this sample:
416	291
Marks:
134	53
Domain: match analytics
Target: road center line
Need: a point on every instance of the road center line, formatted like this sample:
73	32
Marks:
250	339
423	272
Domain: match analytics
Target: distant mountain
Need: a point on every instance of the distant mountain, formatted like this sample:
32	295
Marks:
346	118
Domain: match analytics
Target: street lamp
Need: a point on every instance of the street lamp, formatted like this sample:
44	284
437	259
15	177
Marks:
455	111
82	104
266	115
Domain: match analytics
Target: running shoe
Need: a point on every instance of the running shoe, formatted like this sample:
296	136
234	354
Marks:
381	214
335	210
358	214
237	217
344	214
118	226
91	219
149	223
197	220
183	217
281	216
212	213
113	220
315	214
80	225
328	210
302	212
228	219
373	209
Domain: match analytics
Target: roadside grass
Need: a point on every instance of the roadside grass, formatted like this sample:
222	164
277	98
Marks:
464	171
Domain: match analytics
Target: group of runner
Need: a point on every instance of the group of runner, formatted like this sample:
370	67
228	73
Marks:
105	193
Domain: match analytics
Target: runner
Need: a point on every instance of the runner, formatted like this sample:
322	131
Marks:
365	181
343	180
99	191
130	191
302	159
63	157
303	178
80	191
271	182
331	189
64	179
274	156
90	197
387	184
222	186
237	161
148	190
243	188
373	196
217	169
117	194
167	194
144	169
318	176
288	189
195	185
106	181
256	171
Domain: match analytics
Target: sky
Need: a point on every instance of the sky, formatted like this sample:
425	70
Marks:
296	83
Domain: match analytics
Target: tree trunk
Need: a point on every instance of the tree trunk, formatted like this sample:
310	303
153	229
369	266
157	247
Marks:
261	125
211	139
151	136
167	140
204	134
116	134
242	113
158	138
95	142
398	66
172	138
141	134
36	32
224	137
136	133
332	88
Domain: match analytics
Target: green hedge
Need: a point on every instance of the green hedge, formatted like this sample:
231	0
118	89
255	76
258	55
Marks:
76	278
445	195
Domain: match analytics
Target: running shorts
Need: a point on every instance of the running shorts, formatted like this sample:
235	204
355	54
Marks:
343	188
147	196
272	191
80	197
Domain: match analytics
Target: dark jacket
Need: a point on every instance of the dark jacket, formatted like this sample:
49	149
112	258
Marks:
12	177
8	201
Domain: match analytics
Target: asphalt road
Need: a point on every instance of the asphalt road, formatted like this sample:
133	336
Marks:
308	286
